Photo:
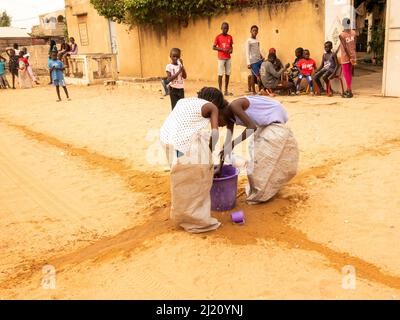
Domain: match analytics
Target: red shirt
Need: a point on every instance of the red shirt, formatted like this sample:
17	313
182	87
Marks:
24	60
306	66
226	42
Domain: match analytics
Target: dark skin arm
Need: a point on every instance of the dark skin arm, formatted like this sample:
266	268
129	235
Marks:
238	108
322	64
181	70
210	110
336	68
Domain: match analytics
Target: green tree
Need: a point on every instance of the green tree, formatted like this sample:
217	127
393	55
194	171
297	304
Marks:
160	12
5	19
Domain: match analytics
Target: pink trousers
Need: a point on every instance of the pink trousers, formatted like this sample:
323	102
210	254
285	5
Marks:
347	74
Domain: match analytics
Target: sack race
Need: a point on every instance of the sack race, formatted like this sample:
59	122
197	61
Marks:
191	181
274	158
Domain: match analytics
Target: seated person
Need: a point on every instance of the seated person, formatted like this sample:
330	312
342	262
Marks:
271	79
295	71
277	64
328	67
306	66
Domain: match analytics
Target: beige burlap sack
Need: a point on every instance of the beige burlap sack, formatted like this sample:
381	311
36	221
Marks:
191	181
274	161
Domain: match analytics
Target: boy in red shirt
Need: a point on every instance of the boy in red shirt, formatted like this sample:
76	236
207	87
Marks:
224	45
306	66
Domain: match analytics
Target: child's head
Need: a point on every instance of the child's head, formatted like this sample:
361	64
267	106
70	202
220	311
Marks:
12	52
271	57
212	95
306	54
346	23
299	52
328	46
272	50
175	54
15	46
72	40
21	54
224	28
254	31
54	55
24	50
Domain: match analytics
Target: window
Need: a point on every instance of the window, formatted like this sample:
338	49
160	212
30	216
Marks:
83	34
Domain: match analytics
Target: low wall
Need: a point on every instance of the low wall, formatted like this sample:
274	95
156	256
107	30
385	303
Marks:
38	58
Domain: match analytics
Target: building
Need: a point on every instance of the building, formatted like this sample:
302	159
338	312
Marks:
144	51
11	35
52	26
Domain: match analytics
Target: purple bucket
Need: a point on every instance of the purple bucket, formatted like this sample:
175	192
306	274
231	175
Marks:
224	189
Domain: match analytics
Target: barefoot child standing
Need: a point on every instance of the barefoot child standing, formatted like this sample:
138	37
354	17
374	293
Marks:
176	74
56	68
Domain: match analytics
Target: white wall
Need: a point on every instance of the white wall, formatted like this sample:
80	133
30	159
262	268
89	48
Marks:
391	67
335	12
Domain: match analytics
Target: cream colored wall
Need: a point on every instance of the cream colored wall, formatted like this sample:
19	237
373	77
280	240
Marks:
97	26
301	24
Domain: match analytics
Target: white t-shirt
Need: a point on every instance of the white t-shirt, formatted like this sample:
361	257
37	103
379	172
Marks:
178	83
183	123
253	53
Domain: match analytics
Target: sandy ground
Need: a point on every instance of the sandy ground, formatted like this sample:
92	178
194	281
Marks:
81	190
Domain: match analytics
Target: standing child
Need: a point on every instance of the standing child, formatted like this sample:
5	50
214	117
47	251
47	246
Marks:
3	80
28	67
56	68
176	74
348	57
224	45
306	66
328	67
254	57
12	65
23	75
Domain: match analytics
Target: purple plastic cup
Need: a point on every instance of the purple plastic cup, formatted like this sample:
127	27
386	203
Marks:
238	217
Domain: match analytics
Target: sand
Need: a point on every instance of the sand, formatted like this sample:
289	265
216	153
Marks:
81	190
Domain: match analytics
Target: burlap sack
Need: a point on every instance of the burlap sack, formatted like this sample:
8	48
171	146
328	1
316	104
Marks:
274	158
191	181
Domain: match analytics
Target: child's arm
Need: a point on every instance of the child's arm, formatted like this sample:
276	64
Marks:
248	54
322	64
210	110
184	75
336	68
173	77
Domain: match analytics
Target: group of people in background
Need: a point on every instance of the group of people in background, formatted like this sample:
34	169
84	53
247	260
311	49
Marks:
269	74
20	68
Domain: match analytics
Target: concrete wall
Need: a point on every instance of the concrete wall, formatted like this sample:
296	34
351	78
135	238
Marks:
391	67
144	52
38	57
97	26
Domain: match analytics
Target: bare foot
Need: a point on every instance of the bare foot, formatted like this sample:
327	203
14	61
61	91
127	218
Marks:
69	99
58	100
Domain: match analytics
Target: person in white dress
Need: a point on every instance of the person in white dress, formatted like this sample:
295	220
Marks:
186	138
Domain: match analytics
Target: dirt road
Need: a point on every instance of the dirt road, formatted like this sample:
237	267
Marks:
79	192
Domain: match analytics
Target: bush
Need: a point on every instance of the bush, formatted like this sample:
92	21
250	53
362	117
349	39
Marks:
160	12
